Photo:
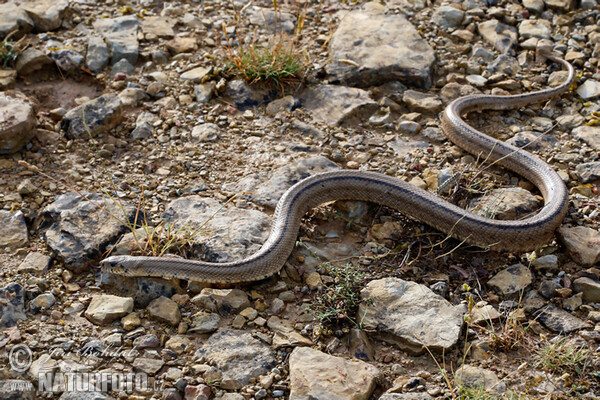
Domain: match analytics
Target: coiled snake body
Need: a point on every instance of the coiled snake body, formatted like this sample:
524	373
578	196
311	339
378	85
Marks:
521	235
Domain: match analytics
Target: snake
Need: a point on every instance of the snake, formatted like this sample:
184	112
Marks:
345	184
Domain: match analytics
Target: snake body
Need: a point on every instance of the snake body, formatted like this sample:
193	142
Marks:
521	235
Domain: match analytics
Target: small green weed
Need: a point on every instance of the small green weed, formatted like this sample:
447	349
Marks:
10	50
563	356
338	301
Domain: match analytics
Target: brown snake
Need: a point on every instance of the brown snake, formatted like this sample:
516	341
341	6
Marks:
521	235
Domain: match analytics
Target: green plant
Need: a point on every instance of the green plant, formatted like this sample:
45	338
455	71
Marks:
338	301
10	49
562	356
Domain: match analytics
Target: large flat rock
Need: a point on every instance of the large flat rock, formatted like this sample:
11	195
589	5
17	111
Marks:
371	47
410	315
17	121
337	105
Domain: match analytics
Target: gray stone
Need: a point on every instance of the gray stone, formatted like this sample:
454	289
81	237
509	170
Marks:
122	66
148	365
589	90
42	302
410	315
448	16
196	75
12	305
268	187
454	90
164	309
562	5
512	280
336	105
558	320
94	117
505	203
535	6
531	28
589	288
405	396
67	60
80	230
532	140
7	79
30	61
142	289
204	133
121	36
223	301
503	37
17	121
589	171
47	15
105	308
245	96
589	134
204	322
237	356
35	263
159	26
270	20
370	47
316	375
85	395
360	346
589	4
204	92
424	102
582	243
13	230
504	64
144	126
13	18
285	334
97	54
474	377
234	233
548	289
547	262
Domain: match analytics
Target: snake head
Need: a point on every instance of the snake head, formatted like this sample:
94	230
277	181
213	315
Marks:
119	265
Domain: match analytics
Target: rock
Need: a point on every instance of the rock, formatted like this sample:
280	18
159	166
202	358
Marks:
589	134
502	37
558	320
122	67
223	301
562	5
476	80
142	289
285	334
164	310
204	92
204	322
13	230
582	243
7	79
531	28
547	262
505	203
35	263
42	302
197	392
271	20
146	342
67	60
454	90
532	140
405	396
148	365
97	54
105	308
360	346
237	355
370	47
26	187
207	132
84	395
179	344
17	121
182	45
17	389
285	104
573	303
589	90
101	114
589	4
245	96
483	315
589	288
548	289
448	16
47	15
589	171
423	102
267	187
474	377
31	60
81	230
120	35
410	315
316	375
14	19
159	26
336	105
511	280
196	75
535	6
234	233
144	126
12	305
504	64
